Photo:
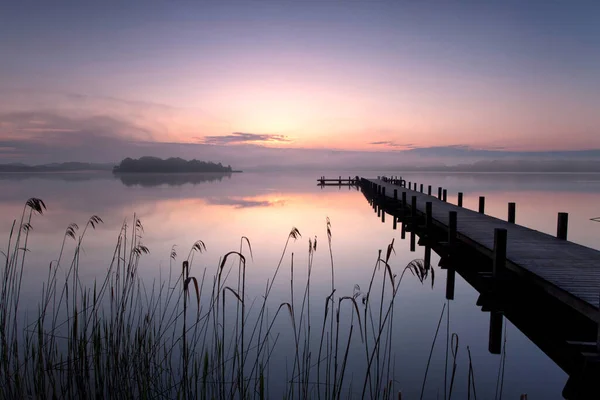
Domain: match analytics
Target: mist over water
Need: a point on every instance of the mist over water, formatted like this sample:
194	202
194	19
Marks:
219	209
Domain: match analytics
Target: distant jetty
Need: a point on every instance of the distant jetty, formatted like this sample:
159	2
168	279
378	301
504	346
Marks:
170	165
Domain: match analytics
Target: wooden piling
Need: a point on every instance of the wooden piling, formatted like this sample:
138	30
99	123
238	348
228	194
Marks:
429	190
428	215
403	203
499	261
382	216
495	336
421	188
481	205
395	194
413	207
394	222
452	228
460	199
562	226
383	191
444	195
439	193
512	210
451	273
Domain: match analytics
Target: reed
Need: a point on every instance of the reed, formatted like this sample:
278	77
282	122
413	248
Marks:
181	336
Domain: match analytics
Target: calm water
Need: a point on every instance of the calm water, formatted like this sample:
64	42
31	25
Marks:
264	207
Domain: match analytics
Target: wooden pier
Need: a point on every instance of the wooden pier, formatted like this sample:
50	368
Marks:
548	287
351	181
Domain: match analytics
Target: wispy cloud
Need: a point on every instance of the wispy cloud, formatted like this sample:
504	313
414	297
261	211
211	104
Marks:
243	137
390	143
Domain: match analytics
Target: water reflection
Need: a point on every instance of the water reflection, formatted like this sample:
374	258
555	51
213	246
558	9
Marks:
150	180
264	207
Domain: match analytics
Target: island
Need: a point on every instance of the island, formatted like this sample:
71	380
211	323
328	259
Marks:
170	165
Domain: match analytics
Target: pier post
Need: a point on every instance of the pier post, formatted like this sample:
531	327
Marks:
427	258
481	205
421	188
598	322
383	216
403	204
429	190
562	226
439	193
394	222
413	206
460	199
444	195
340	181
428	215
495	337
512	211
403	231
378	211
451	273
499	262
452	228
395	194
413	241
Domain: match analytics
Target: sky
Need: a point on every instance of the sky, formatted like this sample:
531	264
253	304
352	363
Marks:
95	80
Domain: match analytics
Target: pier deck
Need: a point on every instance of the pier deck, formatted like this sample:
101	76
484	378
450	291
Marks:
568	271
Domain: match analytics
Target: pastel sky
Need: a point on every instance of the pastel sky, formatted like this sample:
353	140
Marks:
344	75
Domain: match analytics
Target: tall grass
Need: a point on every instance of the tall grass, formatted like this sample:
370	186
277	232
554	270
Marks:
194	333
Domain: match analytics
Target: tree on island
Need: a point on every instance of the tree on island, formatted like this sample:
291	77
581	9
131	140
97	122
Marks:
170	165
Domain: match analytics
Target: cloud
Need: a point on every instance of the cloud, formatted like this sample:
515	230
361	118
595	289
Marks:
43	134
389	143
243	137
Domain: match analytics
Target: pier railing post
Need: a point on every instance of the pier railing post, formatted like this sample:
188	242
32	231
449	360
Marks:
451	273
428	215
499	262
562	226
429	190
498	272
421	188
481	205
439	193
495	336
460	199
512	211
444	195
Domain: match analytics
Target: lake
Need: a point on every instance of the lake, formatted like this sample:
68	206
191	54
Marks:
264	207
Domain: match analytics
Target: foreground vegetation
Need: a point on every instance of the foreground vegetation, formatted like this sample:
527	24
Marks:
191	335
